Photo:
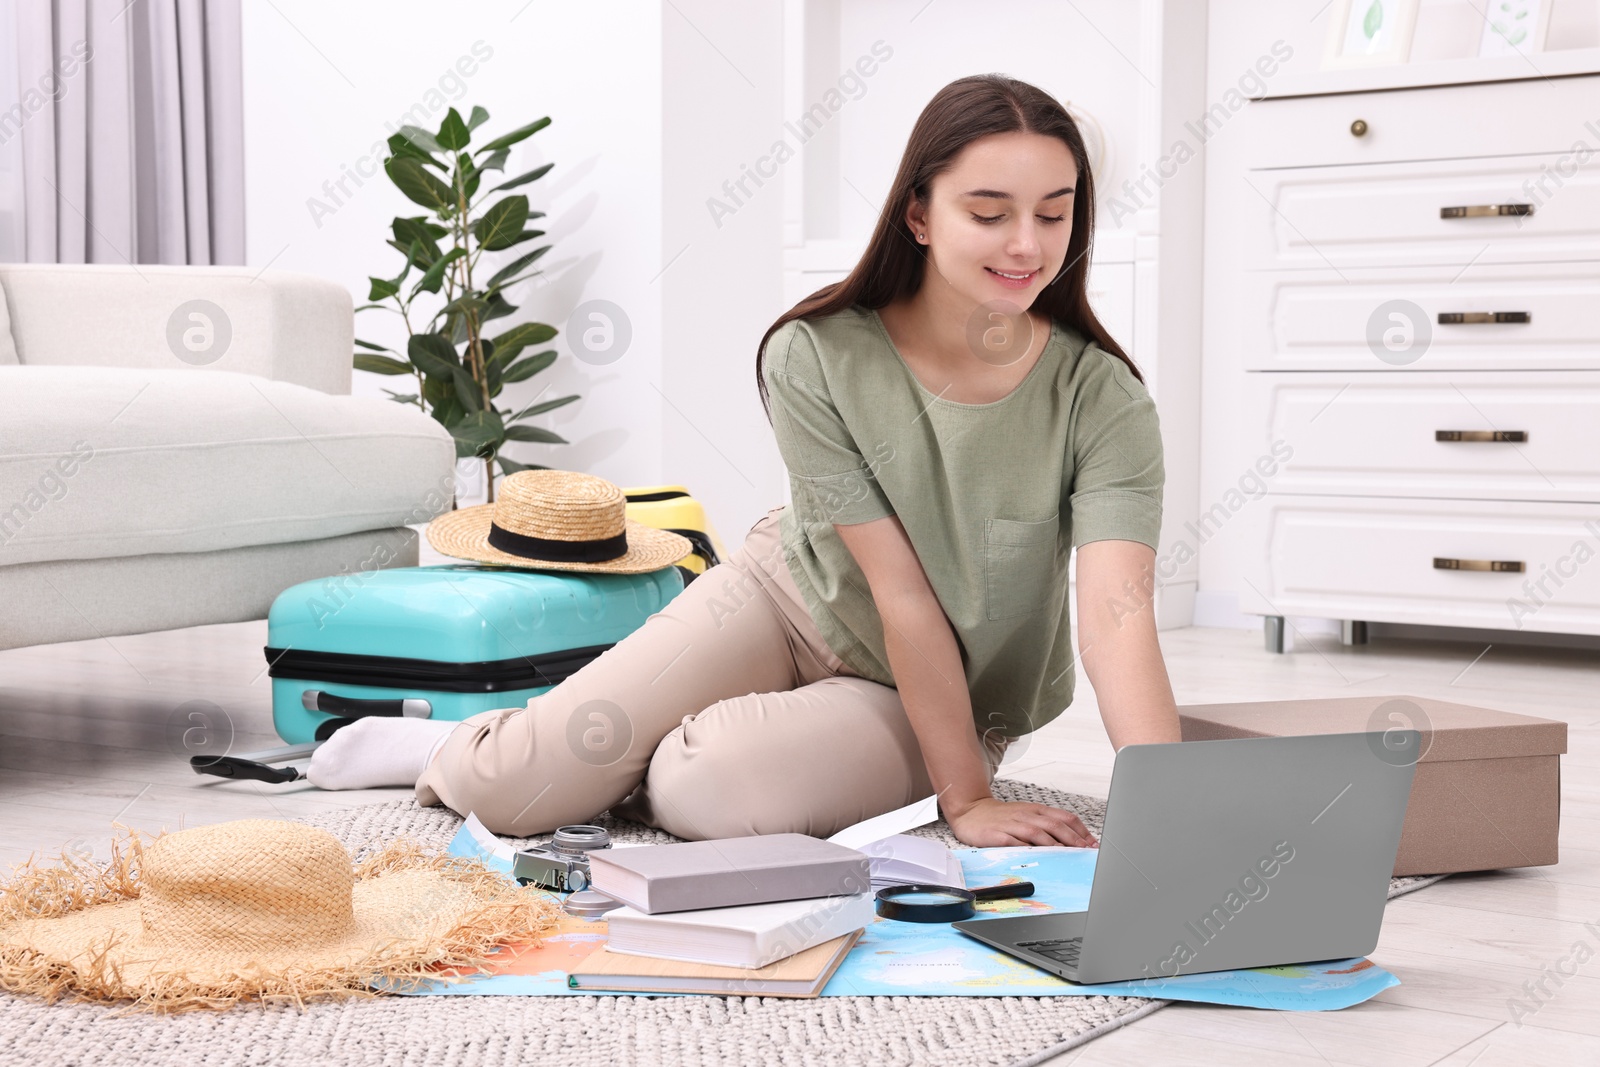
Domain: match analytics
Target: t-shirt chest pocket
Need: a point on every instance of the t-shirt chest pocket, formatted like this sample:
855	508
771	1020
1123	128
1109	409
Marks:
1020	565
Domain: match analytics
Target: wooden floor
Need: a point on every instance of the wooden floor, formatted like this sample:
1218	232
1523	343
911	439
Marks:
95	731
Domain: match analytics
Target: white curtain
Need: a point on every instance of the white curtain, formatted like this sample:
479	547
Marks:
129	115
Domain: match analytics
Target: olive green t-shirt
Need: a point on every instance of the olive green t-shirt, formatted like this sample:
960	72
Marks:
992	496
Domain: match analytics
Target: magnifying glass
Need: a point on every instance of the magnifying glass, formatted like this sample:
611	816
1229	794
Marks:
941	903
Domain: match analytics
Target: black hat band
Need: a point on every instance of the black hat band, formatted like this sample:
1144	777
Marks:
536	548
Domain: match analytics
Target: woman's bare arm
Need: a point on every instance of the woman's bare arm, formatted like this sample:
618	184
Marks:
926	663
1117	642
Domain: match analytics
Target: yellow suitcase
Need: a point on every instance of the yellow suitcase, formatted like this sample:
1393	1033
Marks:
670	507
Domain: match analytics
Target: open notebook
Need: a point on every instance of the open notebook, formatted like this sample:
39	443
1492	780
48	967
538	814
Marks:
898	858
902	859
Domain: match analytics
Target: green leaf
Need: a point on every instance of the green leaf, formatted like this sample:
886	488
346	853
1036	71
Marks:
433	279
421	232
515	265
422	255
467	390
525	235
465	304
539	409
479	433
499	307
454	326
534	433
479	117
453	133
387	287
381	364
491	367
523	179
419	228
404	398
469	174
496	384
522	133
496	160
523	369
501	225
432	354
418	137
518	280
440	393
419	186
401	145
511	466
373	347
518	337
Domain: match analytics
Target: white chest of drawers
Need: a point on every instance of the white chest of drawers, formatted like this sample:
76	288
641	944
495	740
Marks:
1415	277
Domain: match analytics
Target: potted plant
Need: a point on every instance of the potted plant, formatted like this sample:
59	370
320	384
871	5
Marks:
461	369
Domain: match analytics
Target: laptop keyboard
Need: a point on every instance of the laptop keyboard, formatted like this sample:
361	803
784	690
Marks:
1061	949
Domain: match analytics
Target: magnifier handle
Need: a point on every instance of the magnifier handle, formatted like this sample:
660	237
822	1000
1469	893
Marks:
1003	892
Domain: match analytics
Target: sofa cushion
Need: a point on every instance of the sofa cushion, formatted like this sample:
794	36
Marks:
99	462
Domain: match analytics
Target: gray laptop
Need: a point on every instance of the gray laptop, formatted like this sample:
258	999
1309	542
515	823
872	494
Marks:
1217	855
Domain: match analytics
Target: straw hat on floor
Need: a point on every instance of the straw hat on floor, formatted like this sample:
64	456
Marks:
557	520
254	909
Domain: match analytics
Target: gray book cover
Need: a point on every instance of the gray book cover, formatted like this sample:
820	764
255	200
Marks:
728	871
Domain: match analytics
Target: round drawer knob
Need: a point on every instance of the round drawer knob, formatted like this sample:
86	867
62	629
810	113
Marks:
1359	127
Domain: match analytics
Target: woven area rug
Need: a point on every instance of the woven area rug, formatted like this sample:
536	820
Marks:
617	1031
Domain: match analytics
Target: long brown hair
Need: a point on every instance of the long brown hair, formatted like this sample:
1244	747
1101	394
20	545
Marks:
893	264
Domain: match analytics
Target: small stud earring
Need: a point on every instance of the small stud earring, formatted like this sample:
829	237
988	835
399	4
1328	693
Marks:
920	236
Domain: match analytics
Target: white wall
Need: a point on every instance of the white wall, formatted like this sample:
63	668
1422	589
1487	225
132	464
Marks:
654	107
1086	55
325	82
721	274
1134	70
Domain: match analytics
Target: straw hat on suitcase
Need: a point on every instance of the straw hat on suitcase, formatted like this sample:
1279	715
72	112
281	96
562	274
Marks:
557	520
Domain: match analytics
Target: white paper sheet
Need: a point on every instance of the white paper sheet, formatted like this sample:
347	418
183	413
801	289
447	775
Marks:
487	841
889	823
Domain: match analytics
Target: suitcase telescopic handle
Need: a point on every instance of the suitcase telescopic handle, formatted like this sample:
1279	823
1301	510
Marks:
356	707
701	542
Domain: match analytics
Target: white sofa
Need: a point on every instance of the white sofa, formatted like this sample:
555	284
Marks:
178	445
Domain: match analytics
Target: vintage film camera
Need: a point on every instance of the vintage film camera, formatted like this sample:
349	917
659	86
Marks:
563	863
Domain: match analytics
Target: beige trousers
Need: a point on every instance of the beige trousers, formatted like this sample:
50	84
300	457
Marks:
724	714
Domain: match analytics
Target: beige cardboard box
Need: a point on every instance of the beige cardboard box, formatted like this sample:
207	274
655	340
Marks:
1487	791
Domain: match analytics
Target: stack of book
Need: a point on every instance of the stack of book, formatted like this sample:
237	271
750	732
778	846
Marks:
766	915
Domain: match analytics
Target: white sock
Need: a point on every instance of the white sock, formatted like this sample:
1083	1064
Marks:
378	751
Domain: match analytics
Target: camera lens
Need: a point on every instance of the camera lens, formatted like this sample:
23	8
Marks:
580	838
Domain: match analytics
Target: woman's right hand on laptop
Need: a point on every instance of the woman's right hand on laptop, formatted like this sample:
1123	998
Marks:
989	822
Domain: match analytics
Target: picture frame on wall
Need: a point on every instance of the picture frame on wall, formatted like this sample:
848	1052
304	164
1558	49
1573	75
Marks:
1369	33
1514	27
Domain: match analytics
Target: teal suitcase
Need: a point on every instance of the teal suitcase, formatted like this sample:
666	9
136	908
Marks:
442	642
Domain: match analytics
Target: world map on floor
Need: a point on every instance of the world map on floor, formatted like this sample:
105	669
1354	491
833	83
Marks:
894	958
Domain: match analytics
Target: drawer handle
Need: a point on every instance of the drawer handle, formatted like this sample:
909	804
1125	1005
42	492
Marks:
1481	435
1440	563
1466	318
1478	211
